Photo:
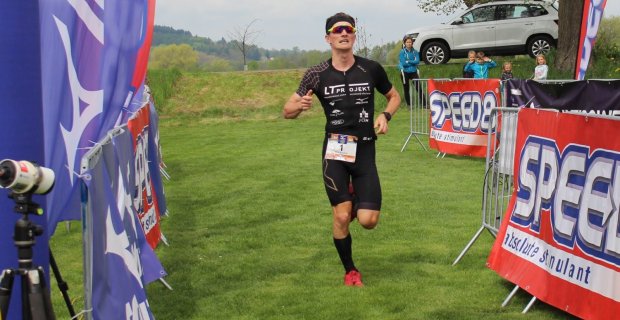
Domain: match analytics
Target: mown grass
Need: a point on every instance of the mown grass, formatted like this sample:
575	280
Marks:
250	225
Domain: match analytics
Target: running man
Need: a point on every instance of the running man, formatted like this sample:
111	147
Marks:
345	85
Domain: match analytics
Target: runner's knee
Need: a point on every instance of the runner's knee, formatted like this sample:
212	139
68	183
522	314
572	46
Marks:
368	219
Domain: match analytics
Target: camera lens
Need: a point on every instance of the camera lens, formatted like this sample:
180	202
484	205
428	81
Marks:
6	173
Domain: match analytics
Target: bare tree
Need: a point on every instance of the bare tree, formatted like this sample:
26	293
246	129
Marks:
362	41
243	39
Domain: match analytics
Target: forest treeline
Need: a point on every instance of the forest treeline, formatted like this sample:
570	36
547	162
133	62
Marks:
177	48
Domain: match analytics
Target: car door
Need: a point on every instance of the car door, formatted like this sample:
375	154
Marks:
477	30
513	26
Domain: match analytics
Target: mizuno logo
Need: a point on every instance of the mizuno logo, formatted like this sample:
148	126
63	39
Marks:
361	100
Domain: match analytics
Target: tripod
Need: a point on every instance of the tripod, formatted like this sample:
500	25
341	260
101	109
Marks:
36	301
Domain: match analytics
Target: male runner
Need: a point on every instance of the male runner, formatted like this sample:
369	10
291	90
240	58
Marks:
345	85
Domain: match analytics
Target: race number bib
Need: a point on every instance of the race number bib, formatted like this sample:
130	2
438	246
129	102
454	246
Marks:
341	147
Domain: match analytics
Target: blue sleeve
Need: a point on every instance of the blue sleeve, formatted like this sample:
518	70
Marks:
469	67
492	64
402	60
416	58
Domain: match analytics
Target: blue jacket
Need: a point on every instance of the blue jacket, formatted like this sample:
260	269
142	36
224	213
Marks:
408	60
481	71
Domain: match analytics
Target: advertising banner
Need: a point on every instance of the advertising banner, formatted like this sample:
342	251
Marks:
592	96
145	200
592	15
93	61
21	130
559	239
460	115
122	261
156	162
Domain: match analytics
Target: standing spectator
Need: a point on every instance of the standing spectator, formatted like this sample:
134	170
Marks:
541	70
507	70
345	85
471	55
409	58
481	67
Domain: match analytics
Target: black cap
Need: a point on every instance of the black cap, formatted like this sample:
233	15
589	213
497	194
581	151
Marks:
338	17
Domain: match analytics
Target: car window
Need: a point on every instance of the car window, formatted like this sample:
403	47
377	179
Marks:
518	11
486	13
537	10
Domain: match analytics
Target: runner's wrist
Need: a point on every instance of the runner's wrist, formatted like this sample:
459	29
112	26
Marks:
387	115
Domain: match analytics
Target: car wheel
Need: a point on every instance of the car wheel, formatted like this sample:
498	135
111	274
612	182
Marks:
435	53
539	45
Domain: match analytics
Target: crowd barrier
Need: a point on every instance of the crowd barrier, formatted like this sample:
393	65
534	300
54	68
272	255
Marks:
497	185
418	111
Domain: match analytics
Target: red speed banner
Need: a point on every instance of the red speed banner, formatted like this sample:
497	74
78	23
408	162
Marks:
559	239
460	115
145	202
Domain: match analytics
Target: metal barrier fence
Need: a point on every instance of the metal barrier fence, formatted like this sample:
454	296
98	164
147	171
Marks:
498	179
418	111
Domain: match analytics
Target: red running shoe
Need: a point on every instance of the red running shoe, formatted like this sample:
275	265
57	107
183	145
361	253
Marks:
353	279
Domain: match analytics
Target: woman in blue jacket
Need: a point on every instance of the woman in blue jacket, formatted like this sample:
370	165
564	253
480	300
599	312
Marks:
409	59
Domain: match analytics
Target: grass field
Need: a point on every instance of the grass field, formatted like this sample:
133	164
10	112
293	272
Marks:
250	224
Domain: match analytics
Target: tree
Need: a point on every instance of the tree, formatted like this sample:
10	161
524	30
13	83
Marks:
569	22
568	43
446	6
243	39
174	56
362	41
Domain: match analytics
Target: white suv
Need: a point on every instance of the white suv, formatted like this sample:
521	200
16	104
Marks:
497	28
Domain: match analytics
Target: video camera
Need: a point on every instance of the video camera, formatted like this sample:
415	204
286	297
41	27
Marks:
25	177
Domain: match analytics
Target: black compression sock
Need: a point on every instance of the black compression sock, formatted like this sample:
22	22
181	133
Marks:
345	252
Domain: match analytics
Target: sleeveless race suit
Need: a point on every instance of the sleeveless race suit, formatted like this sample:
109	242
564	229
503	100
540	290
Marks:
348	103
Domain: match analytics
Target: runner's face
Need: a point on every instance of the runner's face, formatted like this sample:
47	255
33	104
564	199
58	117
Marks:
342	40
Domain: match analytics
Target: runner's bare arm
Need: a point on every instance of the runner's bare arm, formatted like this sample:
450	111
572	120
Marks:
296	104
381	122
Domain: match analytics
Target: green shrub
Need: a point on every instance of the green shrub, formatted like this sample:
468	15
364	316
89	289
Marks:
162	83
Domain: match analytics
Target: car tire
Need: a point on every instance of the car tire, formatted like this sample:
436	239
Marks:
435	53
539	45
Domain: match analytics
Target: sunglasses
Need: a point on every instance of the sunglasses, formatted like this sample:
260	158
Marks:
339	29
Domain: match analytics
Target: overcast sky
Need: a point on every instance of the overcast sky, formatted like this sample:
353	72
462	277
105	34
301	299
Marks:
285	24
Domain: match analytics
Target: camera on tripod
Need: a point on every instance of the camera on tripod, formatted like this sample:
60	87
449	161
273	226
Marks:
24	179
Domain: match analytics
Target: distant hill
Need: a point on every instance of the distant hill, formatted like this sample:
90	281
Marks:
163	35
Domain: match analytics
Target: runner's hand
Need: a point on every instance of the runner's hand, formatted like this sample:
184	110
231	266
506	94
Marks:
306	101
381	124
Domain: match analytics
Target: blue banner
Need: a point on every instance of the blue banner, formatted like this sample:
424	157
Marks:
590	21
123	262
22	124
125	175
155	159
93	62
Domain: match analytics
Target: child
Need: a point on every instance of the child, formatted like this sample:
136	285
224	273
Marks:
540	72
507	70
481	66
471	55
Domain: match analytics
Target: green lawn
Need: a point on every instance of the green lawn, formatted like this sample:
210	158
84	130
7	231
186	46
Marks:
250	224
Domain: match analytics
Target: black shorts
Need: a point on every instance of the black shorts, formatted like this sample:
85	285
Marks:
363	174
